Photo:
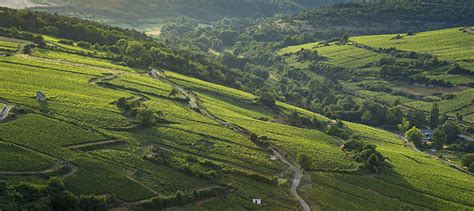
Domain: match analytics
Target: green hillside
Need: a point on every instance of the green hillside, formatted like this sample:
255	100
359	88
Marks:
136	13
363	55
228	115
81	135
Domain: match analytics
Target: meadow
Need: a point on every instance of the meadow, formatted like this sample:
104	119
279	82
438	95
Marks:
447	44
346	56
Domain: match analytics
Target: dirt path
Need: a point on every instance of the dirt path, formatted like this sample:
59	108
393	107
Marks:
196	104
296	179
53	168
447	162
409	144
5	111
103	143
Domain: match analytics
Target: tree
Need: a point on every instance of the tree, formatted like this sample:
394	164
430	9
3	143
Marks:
267	99
305	161
468	159
395	116
145	117
97	203
145	60
39	41
417	118
434	116
368	118
439	139
452	131
27	49
414	135
134	49
405	125
333	130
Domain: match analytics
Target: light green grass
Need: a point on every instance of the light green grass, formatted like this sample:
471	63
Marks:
45	135
346	56
447	44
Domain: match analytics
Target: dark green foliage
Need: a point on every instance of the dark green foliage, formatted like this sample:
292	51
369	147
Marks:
180	198
53	196
302	121
190	165
134	108
267	99
434	117
387	17
146	117
452	131
305	161
137	10
439	139
366	154
456	69
468	161
92	203
414	135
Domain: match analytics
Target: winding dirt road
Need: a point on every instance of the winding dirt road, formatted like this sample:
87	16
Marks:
5	111
196	104
296	179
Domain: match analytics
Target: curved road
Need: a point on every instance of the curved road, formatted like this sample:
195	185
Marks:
196	104
5	111
296	179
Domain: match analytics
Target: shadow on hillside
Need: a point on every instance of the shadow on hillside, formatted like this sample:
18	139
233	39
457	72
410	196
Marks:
44	107
390	185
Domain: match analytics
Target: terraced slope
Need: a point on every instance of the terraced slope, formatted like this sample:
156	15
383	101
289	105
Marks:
454	44
81	134
361	55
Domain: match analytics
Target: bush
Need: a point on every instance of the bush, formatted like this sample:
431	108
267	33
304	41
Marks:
267	99
468	159
305	161
366	154
414	135
66	42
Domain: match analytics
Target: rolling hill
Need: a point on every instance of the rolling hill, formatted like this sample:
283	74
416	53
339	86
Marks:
133	11
114	136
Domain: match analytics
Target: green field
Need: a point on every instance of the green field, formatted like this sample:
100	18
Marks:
448	44
338	55
81	110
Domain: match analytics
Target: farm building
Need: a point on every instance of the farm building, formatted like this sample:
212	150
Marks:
427	134
257	201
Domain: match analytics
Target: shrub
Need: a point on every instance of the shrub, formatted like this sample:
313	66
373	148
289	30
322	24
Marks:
414	135
305	161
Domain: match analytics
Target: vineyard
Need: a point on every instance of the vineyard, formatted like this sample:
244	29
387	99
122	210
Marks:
183	150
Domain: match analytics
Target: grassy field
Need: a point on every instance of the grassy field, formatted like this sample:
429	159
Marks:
448	44
81	110
414	180
338	55
452	45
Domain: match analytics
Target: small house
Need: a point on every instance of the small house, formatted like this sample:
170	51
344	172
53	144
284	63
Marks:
427	134
257	201
40	96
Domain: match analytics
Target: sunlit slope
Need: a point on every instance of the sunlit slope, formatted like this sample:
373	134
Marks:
80	134
448	44
414	180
